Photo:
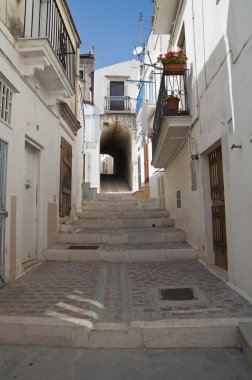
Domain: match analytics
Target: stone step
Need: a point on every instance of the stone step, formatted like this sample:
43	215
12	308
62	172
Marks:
114	197
170	234
62	330
121	223
114	214
122	253
120	206
245	339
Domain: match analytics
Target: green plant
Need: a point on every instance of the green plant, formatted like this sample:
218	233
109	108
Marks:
172	57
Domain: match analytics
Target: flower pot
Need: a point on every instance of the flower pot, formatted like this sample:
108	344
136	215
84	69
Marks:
172	105
174	69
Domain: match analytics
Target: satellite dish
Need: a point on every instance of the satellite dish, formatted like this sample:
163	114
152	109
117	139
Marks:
138	50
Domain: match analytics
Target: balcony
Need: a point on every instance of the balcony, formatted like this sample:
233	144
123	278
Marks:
117	103
46	48
165	15
170	127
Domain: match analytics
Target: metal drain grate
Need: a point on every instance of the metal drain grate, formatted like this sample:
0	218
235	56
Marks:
176	294
91	247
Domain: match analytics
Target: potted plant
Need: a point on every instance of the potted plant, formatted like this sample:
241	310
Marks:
172	103
173	62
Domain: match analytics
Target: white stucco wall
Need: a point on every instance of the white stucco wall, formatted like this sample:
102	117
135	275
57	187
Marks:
42	127
219	54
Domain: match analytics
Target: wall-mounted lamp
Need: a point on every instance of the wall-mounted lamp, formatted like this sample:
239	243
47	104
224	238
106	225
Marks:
236	146
194	156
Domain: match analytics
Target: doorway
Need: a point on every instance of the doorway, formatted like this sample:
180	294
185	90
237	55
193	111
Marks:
146	164
116	96
31	194
139	172
218	208
106	164
3	212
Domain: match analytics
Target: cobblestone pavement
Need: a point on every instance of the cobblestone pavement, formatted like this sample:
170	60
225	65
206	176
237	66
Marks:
119	292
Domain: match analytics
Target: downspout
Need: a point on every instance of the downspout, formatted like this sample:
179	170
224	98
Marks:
77	90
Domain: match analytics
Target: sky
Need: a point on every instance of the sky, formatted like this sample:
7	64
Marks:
112	27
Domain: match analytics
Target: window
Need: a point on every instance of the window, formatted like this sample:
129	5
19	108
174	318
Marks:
6	99
81	72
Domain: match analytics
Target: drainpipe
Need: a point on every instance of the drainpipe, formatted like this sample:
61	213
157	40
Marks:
77	90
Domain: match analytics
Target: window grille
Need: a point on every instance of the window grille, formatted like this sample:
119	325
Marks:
6	99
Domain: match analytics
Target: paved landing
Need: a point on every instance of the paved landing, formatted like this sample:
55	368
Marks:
119	292
29	363
113	184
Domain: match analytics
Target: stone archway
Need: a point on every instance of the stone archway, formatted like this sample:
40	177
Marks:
116	141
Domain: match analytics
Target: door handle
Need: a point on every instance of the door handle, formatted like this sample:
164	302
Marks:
4	213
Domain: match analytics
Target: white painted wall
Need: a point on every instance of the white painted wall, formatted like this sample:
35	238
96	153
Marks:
39	124
219	55
155	45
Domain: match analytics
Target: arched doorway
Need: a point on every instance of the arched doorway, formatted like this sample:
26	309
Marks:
106	164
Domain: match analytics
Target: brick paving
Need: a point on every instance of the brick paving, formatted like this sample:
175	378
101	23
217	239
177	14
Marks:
117	292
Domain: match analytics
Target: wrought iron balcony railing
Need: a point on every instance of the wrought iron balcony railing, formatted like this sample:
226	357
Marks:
117	103
43	19
172	86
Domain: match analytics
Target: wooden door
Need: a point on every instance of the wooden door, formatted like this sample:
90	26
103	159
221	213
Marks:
218	208
30	212
65	178
3	212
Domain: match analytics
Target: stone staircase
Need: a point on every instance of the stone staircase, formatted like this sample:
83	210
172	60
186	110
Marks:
105	282
121	228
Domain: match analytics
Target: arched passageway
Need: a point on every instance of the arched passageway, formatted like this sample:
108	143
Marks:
116	141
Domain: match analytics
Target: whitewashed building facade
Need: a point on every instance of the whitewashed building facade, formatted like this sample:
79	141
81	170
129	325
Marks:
113	124
40	129
206	152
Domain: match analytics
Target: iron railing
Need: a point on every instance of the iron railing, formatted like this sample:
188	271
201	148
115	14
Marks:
171	86
43	19
117	103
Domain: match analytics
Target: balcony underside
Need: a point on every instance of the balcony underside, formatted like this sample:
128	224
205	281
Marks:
172	137
40	61
165	14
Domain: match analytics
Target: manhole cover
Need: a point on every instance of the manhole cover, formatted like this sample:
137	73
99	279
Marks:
83	247
176	294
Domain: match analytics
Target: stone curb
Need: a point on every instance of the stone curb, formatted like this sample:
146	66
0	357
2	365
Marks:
67	331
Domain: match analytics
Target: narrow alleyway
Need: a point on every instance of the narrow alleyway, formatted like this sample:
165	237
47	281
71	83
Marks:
121	276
